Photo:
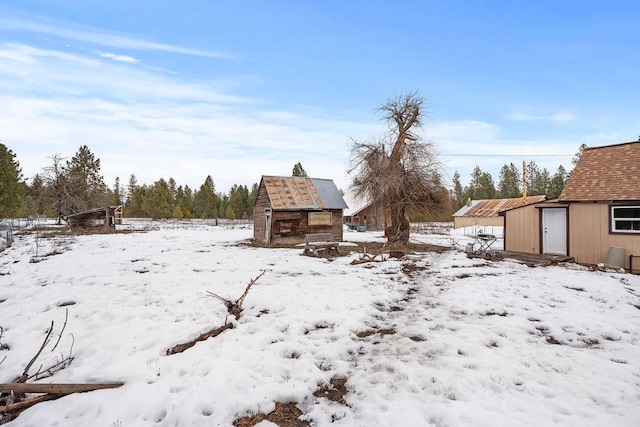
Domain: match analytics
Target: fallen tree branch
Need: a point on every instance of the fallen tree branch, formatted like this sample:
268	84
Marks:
212	333
20	406
235	307
25	374
52	392
54	388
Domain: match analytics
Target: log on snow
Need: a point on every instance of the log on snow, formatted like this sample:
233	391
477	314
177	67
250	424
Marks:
213	333
21	388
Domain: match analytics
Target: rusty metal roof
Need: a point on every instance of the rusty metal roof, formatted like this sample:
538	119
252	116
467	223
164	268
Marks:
605	173
492	207
295	193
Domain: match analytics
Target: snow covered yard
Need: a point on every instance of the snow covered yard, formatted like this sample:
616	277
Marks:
427	340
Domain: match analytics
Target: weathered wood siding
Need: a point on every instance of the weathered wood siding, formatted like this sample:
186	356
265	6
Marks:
95	221
522	230
465	221
372	217
290	226
262	203
589	237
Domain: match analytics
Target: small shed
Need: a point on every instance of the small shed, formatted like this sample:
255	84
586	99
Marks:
597	211
289	207
96	220
485	213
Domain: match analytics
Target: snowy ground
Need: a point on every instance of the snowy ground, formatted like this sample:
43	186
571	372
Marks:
428	340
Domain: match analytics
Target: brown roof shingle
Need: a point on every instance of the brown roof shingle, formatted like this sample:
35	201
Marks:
605	173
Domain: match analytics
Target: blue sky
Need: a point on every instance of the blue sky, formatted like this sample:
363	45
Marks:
239	89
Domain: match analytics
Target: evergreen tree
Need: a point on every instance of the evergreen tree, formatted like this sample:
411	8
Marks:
38	192
557	183
117	193
537	180
205	201
12	186
172	192
86	185
157	203
509	184
177	212
229	213
134	198
457	196
481	186
239	200
577	156
298	170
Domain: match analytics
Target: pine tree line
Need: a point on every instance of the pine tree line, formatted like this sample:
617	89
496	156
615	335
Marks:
76	185
510	185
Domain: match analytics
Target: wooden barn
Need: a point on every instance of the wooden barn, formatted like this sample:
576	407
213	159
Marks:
595	218
96	220
289	207
363	212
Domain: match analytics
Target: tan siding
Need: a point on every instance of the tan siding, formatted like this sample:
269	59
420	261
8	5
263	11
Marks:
460	221
522	230
589	238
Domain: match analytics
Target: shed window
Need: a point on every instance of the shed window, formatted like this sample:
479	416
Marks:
625	219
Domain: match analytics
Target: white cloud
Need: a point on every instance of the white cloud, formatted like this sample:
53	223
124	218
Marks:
101	37
559	117
119	58
156	125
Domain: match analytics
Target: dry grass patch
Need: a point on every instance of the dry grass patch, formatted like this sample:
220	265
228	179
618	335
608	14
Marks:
335	391
285	415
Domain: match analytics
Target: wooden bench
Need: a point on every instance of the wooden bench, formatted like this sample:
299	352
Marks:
319	241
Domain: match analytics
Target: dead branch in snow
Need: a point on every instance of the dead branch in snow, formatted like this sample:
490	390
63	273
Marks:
48	371
235	307
370	257
25	374
212	333
11	410
55	388
13	396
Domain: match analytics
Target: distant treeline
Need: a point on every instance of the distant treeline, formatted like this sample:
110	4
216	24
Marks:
75	185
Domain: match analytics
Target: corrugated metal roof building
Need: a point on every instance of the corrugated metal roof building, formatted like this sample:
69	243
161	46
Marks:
485	212
288	207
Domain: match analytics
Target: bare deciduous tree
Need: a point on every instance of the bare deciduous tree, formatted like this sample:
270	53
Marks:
406	179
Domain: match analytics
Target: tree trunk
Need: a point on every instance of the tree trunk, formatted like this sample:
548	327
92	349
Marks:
399	229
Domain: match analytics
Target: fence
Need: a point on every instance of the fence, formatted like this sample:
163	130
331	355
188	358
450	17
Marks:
431	227
6	235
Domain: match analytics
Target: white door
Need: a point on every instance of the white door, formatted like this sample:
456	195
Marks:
554	231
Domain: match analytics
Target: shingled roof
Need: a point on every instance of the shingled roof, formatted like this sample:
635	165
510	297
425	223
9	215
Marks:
492	207
605	173
301	193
